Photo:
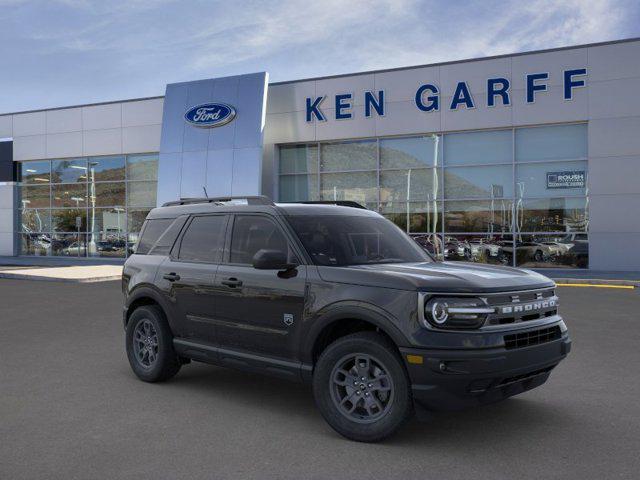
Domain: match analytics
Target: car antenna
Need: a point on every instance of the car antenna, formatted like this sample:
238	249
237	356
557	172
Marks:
205	191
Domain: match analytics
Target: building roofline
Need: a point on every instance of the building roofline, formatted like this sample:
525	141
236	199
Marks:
466	60
109	102
367	72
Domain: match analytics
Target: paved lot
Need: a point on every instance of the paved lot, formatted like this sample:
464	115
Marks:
71	409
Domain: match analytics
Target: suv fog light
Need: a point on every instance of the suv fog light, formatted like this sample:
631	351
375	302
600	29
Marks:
456	312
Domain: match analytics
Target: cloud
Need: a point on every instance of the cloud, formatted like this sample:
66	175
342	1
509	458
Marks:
90	50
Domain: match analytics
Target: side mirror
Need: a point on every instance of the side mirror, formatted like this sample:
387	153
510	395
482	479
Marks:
271	260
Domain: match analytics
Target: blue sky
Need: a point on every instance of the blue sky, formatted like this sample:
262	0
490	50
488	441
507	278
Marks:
67	52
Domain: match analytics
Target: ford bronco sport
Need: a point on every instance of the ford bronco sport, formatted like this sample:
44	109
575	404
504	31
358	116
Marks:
339	297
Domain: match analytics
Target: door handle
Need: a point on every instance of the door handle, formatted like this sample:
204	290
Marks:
172	277
232	282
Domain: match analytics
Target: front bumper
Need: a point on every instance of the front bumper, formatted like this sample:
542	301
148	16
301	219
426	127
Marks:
452	379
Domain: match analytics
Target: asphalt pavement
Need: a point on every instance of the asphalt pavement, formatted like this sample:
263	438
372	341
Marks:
70	408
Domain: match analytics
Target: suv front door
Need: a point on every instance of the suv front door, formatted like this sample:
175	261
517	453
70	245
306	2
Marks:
259	311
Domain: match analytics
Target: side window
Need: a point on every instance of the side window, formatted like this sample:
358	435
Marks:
253	233
168	238
151	232
204	239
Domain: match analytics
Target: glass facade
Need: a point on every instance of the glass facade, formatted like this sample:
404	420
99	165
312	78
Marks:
85	207
512	196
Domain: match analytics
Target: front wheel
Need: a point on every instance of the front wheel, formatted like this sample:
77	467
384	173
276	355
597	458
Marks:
150	345
361	387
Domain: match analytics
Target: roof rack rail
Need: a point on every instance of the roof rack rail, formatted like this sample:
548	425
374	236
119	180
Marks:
340	203
251	200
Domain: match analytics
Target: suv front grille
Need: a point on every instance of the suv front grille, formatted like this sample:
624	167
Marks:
519	307
534	337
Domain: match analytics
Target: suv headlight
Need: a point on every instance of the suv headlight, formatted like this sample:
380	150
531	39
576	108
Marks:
451	312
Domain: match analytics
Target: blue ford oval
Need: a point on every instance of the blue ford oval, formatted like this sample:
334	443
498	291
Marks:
210	115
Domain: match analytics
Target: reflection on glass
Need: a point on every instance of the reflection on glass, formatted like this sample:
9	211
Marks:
142	167
141	194
35	220
553	250
413	185
473	148
107	237
34	172
552	215
414	217
361	187
86	196
68	245
478	216
478	182
65	220
69	195
493	249
299	159
556	179
108	194
135	219
34	196
108	220
431	242
558	142
361	155
106	169
298	188
411	152
37	244
69	171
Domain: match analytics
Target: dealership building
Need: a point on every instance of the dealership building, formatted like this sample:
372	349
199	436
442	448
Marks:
528	159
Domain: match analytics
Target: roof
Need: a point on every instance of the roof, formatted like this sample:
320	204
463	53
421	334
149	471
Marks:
292	209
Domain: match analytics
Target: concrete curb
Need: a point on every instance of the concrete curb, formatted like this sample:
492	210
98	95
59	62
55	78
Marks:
597	281
17	276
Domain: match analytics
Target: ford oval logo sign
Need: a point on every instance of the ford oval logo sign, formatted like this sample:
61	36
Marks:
210	115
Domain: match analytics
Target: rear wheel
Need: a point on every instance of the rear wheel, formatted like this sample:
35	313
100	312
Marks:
361	387
150	345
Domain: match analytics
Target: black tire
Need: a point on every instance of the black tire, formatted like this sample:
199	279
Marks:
391	415
165	361
539	256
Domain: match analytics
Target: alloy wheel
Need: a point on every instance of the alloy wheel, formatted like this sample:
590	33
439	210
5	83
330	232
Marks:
145	343
361	388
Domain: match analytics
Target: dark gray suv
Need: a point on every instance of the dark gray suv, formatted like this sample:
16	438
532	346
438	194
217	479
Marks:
339	297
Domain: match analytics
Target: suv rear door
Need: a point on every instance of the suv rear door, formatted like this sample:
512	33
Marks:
258	311
186	277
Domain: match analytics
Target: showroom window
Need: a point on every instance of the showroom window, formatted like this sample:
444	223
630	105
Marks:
511	196
81	207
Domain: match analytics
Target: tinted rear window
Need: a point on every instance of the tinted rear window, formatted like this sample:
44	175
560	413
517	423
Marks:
151	232
204	239
168	238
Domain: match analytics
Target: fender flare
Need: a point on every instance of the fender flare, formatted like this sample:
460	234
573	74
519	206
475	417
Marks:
351	310
147	291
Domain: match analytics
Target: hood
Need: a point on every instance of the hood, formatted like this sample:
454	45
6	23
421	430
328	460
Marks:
454	277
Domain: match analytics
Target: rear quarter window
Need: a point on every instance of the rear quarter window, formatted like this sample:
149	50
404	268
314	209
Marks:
151	232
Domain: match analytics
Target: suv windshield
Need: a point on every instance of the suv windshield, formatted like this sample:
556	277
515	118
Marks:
336	240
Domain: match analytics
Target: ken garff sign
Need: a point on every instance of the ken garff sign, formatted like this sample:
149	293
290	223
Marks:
427	96
210	115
